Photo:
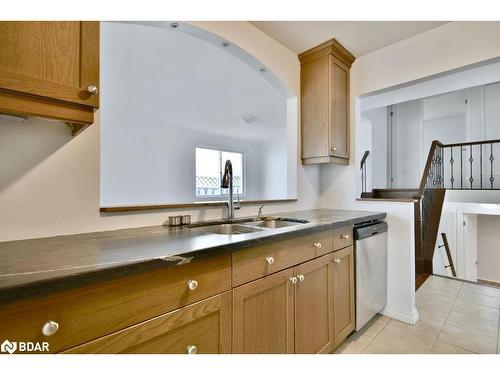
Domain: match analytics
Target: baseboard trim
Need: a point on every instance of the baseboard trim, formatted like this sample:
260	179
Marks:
488	282
406	317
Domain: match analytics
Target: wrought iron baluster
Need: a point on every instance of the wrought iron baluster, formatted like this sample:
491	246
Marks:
481	165
452	179
461	168
471	160
364	166
491	165
434	169
362	180
441	163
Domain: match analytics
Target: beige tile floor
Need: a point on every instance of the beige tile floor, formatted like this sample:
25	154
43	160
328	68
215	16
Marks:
455	317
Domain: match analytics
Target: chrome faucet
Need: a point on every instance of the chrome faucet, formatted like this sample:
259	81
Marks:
259	214
227	182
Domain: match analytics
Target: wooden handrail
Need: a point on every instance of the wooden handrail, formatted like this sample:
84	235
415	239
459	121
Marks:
427	169
363	159
448	255
471	143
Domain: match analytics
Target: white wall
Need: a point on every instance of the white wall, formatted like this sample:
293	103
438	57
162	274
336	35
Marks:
488	249
407	152
58	192
272	169
492	111
163	171
25	143
376	125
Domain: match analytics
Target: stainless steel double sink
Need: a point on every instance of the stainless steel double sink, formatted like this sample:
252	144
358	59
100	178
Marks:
251	225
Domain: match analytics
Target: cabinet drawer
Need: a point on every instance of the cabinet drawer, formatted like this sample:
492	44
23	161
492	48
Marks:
253	263
203	327
342	237
87	313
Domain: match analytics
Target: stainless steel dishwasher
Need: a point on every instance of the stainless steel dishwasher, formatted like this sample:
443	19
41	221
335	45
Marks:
371	270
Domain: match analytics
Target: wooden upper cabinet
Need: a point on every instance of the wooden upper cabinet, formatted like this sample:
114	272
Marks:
343	293
50	69
325	103
263	315
314	330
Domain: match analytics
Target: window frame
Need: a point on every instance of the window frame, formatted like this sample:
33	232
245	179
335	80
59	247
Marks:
220	150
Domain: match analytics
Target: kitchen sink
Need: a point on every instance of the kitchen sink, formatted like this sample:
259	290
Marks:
247	225
273	223
231	229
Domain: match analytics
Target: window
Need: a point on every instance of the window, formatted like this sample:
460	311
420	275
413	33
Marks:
209	169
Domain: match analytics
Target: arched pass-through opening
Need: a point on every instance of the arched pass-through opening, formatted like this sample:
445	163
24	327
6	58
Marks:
170	89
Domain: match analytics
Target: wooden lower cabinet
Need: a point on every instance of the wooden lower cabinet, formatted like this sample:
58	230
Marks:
314	329
343	294
306	308
289	312
263	315
203	327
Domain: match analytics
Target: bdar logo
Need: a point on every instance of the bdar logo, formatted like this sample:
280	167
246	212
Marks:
8	347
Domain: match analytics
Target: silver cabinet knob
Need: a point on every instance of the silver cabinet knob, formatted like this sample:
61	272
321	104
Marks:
50	328
293	279
338	261
92	90
317	245
300	278
270	260
334	149
191	349
345	236
192	284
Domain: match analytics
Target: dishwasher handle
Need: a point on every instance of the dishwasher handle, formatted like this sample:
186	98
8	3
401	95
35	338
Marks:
370	230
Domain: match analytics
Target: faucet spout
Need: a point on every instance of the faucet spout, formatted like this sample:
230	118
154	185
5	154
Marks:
227	182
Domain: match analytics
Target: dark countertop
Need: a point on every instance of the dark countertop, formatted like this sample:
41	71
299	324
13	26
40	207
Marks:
30	268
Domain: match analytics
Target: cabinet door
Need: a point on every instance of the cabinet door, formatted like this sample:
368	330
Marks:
263	315
203	327
315	110
314	330
343	293
339	132
49	60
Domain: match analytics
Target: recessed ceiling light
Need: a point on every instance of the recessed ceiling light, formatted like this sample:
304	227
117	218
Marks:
248	120
263	70
225	44
174	25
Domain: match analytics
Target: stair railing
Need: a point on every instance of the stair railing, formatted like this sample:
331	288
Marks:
363	173
432	176
461	166
446	246
457	166
474	163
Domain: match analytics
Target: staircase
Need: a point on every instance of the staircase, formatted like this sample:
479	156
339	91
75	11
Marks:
460	166
427	229
391	194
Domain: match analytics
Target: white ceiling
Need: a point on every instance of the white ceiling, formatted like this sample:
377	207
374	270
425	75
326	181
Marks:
165	76
359	37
